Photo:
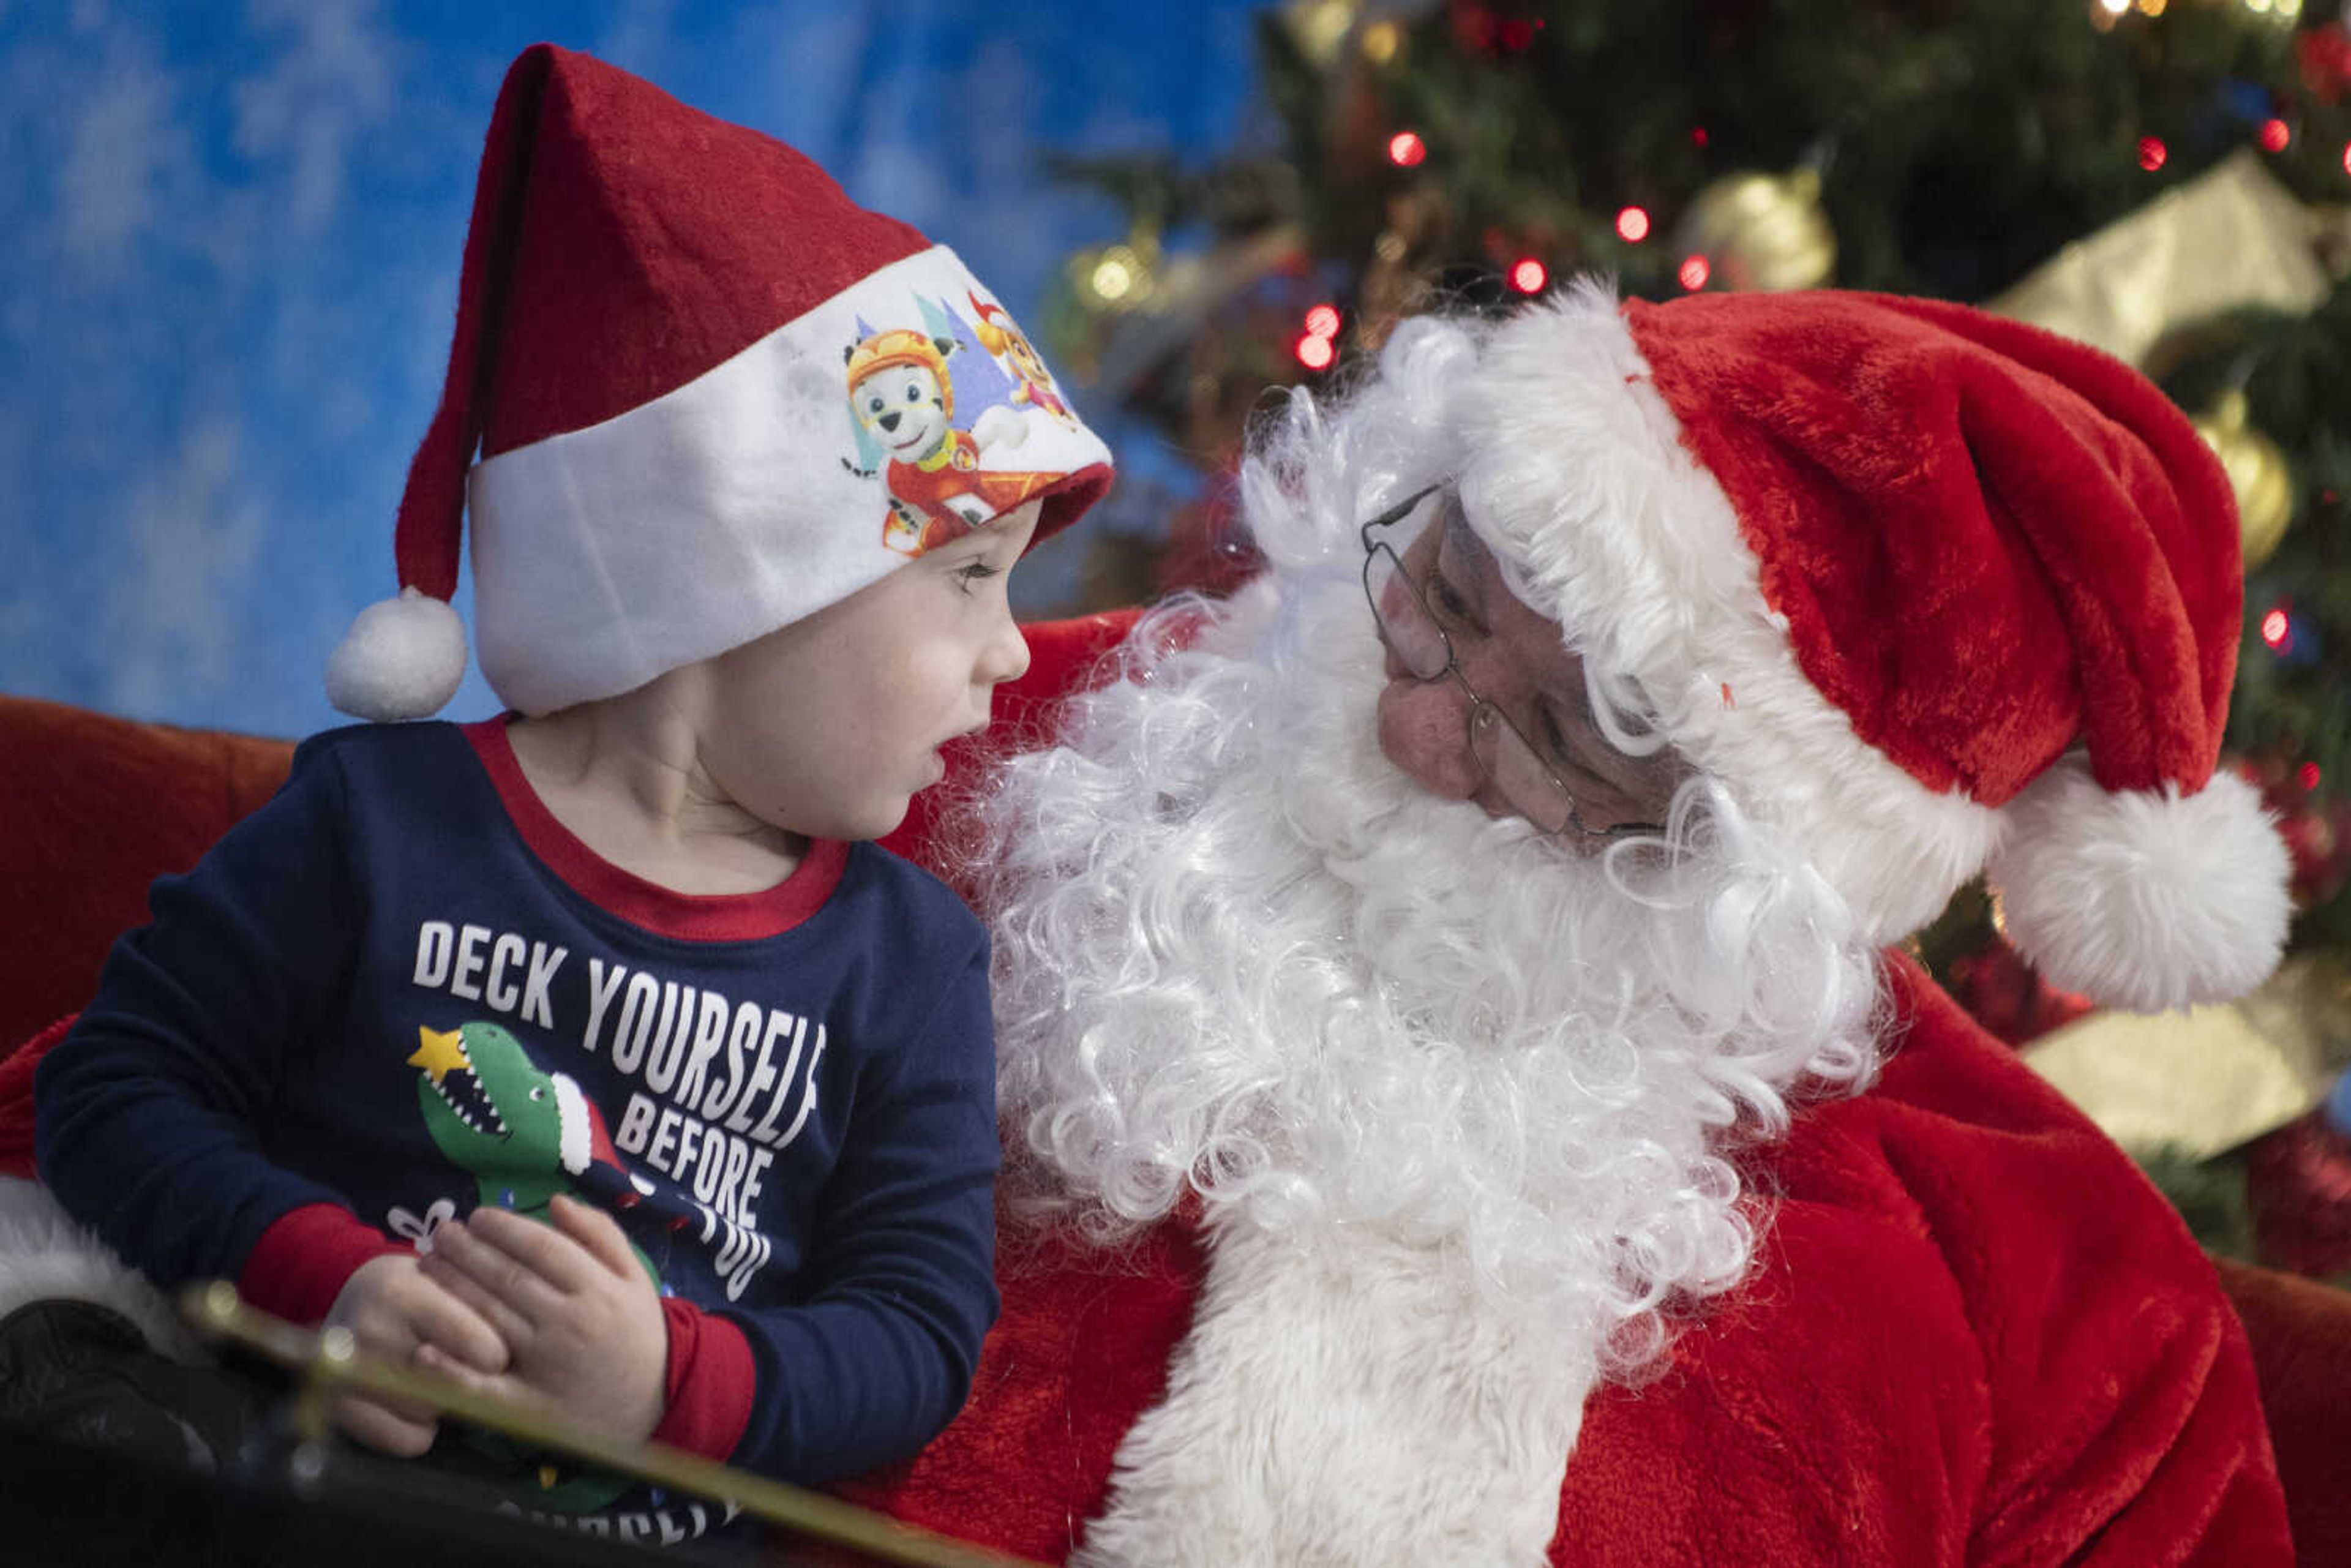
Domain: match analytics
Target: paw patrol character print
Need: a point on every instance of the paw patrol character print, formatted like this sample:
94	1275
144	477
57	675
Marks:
1032	382
939	488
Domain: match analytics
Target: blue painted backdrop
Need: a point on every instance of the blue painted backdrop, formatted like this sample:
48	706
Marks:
229	237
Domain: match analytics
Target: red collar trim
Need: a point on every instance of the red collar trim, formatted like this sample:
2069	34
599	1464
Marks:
696	918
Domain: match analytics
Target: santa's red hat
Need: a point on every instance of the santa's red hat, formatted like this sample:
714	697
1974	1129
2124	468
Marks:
1928	591
652	321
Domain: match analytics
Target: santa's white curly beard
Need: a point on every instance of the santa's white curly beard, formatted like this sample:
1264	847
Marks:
1240	954
1459	1108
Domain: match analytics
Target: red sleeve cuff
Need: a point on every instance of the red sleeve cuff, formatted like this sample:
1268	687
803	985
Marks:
306	1256
709	1384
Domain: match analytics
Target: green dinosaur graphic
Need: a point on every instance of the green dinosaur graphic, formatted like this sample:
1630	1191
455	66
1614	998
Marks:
493	1111
524	1132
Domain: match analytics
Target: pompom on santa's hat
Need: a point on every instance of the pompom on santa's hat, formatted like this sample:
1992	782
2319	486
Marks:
1930	591
656	319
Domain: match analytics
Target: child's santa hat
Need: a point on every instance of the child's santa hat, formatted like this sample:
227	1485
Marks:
652	324
1926	590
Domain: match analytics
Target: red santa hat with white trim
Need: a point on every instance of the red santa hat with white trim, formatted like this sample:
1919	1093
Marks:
1930	591
656	358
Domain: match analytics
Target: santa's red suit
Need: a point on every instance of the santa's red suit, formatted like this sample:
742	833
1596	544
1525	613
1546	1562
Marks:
1975	1334
1913	592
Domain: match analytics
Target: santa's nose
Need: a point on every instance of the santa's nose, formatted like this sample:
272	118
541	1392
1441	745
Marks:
1425	730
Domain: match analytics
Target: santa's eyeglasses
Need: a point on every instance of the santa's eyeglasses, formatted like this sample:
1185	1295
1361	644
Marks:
1504	754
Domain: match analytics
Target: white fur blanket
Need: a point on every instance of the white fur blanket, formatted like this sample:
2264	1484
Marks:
44	1255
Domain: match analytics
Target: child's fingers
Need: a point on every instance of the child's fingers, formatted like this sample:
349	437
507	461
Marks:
546	1254
431	1359
447	1318
405	1412
514	1331
379	1427
484	1251
596	1231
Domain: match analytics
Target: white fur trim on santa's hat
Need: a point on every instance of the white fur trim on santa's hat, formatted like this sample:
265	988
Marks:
1577	476
2140	899
402	658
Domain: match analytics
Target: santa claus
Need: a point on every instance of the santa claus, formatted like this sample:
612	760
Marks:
1463	1106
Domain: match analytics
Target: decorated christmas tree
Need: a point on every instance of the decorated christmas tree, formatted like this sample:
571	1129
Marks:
2168	179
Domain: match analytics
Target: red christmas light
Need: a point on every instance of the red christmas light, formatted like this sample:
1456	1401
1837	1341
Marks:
1694	272
2276	135
1697	135
1473	26
2324	52
2277	629
1406	148
2347	157
1322	321
1633	224
1314	353
1528	276
2152	153
2307	777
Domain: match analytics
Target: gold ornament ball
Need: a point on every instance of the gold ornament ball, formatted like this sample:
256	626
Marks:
2257	472
1320	27
1762	231
1115	278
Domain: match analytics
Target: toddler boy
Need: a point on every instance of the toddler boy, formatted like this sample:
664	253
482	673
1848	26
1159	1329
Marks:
591	1055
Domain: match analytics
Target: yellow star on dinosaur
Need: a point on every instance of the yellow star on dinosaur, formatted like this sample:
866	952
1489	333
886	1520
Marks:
441	1053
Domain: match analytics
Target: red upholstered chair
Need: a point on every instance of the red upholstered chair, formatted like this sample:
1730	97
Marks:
94	808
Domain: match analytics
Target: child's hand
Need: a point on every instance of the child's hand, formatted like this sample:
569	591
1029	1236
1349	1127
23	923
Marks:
395	1312
581	1321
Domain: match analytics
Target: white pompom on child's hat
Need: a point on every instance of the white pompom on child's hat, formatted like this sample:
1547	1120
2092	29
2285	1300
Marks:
655	356
402	658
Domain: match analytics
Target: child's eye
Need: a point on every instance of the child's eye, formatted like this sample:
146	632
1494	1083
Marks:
972	576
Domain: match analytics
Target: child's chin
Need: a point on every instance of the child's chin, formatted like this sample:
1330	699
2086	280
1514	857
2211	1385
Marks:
884	820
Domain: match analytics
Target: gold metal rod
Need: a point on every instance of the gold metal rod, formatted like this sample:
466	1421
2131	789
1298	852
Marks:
329	1358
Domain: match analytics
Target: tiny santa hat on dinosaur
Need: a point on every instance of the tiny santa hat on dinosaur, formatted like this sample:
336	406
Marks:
586	1149
658	324
1931	592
